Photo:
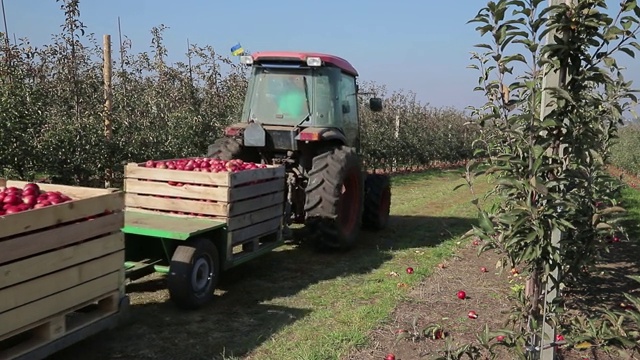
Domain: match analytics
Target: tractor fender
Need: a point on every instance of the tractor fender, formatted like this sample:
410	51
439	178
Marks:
321	134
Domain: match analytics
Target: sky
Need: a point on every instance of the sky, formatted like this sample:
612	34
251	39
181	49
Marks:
418	45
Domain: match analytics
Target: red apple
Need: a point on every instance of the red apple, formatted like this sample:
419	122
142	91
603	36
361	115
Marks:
390	357
472	315
462	295
483	269
409	270
500	338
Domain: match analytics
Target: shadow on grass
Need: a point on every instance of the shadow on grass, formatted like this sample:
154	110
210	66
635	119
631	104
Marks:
606	288
239	320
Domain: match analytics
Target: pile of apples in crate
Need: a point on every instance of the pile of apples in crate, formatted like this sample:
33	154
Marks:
15	200
200	164
204	165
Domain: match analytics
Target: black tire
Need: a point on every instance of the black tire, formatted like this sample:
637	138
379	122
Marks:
225	149
196	258
377	201
334	218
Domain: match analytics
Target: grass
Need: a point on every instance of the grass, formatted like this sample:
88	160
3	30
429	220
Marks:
347	308
295	303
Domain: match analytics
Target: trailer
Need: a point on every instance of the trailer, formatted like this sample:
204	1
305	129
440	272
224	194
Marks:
192	226
61	273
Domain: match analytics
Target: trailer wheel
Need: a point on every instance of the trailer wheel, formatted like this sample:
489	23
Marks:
334	199
377	202
193	274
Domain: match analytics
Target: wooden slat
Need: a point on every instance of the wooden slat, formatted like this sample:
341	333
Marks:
243	177
244	206
75	192
38	242
135	186
133	171
37	310
33	267
246	192
254	230
182	205
78	209
26	292
241	221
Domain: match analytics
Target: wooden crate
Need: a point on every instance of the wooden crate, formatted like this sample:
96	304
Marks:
57	260
251	202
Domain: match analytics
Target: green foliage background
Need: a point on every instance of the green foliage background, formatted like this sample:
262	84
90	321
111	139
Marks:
52	98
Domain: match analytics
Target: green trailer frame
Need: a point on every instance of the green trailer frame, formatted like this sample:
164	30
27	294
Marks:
191	251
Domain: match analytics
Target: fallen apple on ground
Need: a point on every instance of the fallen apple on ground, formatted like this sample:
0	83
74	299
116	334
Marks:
390	357
483	269
462	295
472	315
409	270
500	338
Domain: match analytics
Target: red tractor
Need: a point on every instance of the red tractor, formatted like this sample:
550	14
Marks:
301	110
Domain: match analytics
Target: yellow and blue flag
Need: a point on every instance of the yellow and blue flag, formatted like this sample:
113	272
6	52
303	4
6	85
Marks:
237	50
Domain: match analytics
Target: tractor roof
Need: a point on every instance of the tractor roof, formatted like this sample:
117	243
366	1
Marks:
302	56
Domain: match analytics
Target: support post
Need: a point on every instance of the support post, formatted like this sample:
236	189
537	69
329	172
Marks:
394	167
551	79
108	127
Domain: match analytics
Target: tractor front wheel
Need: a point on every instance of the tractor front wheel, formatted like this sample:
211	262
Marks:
193	274
334	198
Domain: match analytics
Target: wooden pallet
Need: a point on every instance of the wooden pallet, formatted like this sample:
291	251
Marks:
30	338
56	259
250	202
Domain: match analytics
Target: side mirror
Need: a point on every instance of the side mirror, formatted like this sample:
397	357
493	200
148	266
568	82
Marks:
375	104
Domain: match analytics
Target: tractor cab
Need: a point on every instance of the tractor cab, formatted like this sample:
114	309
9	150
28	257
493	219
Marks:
301	90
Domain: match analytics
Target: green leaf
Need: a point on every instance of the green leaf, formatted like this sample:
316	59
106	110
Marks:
537	184
485	223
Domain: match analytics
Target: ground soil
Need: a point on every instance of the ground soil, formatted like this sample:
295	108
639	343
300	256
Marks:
435	301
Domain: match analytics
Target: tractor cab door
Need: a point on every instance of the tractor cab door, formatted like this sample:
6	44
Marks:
348	108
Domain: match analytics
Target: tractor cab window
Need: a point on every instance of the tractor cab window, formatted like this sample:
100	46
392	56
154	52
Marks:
288	96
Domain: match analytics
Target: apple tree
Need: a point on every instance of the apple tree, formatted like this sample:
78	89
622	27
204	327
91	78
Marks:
549	159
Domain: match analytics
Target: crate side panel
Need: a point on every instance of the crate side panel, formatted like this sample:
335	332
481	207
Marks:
257	189
23	270
49	306
245	206
38	288
248	219
187	191
45	240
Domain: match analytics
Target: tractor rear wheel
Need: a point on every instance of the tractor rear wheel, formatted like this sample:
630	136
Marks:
229	149
334	198
377	201
193	274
